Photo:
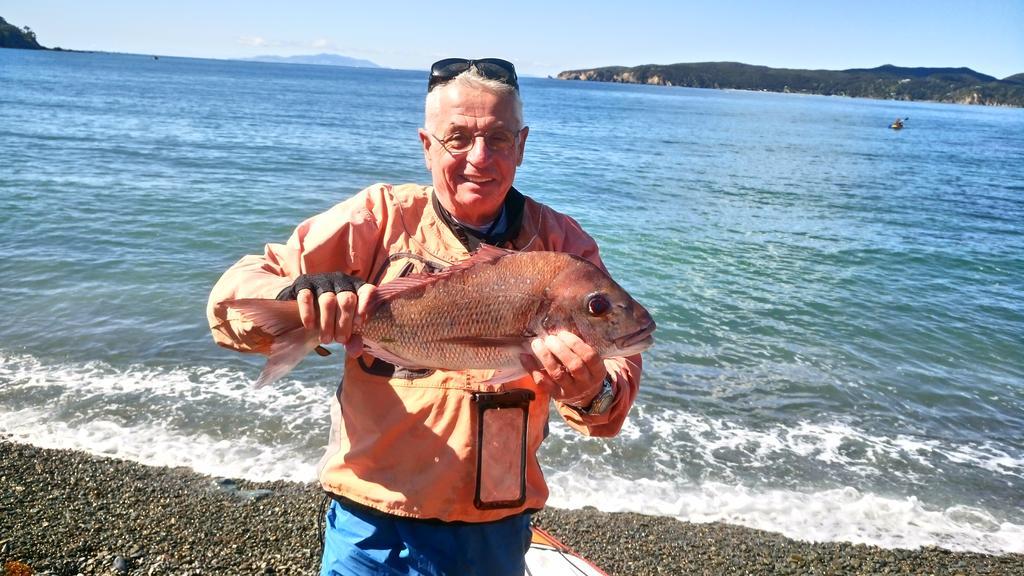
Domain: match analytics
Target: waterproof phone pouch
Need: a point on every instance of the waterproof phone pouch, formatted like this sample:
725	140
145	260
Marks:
502	419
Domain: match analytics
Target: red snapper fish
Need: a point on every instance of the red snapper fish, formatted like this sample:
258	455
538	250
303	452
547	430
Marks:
478	314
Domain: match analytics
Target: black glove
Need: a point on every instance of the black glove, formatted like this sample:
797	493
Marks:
321	284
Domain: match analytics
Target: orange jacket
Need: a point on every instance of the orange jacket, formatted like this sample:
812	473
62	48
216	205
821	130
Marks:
404	442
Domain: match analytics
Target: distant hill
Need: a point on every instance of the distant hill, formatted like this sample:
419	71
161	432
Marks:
322	59
13	37
958	85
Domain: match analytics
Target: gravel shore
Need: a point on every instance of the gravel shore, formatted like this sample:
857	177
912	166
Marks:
68	513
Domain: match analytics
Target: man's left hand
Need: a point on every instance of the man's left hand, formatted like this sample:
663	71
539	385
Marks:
568	368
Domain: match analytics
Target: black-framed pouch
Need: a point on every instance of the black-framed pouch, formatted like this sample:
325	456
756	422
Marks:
502	424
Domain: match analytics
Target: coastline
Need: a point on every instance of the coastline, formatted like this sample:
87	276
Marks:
887	82
67	512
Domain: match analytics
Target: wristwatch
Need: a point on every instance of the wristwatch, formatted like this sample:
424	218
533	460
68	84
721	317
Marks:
603	401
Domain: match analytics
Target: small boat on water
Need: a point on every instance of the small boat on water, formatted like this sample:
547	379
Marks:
897	124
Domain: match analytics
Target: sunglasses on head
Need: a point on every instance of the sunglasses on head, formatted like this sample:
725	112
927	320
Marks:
445	70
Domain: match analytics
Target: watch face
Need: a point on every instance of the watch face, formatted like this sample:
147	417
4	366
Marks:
604	399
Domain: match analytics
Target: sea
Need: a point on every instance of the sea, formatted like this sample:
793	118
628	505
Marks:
840	306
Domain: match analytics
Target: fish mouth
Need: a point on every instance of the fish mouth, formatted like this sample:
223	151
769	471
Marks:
638	341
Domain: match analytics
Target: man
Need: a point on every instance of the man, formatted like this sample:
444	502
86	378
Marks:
410	466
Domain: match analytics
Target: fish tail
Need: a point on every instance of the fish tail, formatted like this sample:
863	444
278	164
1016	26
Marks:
287	351
281	320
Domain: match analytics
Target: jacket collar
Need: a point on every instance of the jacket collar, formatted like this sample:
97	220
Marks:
470	238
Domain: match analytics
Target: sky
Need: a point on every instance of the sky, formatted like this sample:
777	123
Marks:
544	37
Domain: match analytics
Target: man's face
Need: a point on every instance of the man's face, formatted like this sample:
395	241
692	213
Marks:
472	186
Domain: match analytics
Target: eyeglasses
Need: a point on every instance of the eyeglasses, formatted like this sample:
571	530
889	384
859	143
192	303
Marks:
445	70
499	141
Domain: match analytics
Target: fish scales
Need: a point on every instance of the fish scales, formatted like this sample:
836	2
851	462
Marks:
481	303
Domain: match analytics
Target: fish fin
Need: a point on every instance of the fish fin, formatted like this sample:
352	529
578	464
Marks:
503	375
489	253
377	351
398	286
274	317
286	352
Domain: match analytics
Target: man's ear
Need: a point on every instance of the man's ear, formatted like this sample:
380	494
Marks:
522	145
427	141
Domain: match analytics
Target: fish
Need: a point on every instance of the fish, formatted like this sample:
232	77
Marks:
478	314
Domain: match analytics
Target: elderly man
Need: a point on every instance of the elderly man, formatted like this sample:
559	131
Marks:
405	463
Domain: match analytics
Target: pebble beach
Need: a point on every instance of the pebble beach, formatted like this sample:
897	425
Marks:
66	513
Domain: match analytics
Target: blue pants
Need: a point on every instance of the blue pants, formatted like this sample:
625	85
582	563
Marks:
362	542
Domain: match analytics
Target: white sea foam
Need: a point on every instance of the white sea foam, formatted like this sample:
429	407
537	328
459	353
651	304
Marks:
157	446
99	379
845	515
842	515
145	435
829	442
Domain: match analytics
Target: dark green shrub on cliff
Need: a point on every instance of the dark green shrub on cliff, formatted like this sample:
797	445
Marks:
13	37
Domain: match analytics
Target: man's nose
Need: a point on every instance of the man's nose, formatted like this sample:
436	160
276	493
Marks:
479	153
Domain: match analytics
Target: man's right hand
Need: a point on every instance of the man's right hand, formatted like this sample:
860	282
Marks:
332	303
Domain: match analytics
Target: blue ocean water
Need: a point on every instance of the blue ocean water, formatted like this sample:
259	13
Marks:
840	306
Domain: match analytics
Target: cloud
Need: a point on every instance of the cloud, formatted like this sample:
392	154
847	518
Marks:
256	41
321	44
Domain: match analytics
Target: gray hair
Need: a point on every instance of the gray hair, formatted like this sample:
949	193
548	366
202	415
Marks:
471	79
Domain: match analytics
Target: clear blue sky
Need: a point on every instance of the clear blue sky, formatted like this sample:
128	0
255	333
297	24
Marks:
547	36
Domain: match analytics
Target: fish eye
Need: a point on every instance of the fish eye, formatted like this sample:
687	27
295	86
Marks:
598	304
